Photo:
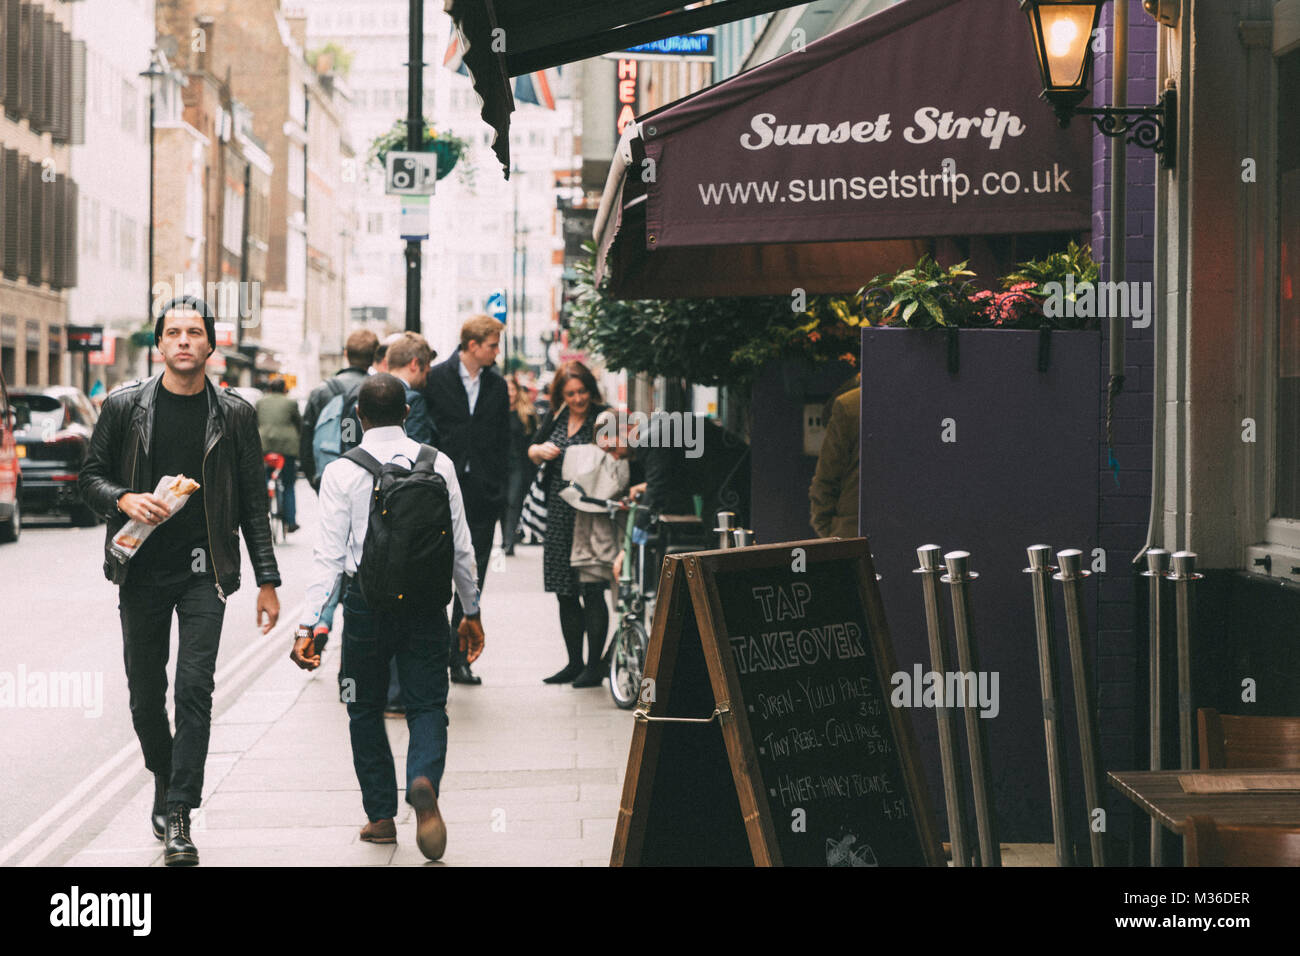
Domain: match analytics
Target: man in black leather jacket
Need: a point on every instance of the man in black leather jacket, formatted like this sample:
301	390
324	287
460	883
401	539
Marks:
179	423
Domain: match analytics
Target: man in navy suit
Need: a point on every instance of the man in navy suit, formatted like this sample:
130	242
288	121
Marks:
470	407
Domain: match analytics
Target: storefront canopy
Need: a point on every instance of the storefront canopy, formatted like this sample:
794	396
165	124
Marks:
505	38
844	159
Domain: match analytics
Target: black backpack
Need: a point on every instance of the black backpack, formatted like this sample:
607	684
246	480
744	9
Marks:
407	556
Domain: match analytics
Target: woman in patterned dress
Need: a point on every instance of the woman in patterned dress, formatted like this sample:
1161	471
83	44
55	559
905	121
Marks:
582	606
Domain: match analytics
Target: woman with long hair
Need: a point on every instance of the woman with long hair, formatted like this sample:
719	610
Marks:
576	396
523	422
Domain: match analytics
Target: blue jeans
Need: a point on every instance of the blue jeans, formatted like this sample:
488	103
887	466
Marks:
418	639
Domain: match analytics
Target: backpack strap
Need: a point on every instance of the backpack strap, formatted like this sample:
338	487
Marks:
366	460
427	453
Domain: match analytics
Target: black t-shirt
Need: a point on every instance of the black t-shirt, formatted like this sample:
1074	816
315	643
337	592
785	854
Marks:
172	552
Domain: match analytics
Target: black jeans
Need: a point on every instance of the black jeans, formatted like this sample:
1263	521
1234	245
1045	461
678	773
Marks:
146	612
417	641
516	488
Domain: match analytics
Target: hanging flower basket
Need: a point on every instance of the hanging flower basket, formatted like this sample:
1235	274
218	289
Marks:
446	146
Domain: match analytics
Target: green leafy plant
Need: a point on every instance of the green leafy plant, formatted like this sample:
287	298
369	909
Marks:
1076	260
449	148
336	58
925	296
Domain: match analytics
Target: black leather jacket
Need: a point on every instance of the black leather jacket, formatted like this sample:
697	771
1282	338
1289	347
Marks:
233	479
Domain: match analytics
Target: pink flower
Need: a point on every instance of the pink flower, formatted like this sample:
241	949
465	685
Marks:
1022	286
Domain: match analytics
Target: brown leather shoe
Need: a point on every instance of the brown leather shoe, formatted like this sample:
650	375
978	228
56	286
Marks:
430	831
379	831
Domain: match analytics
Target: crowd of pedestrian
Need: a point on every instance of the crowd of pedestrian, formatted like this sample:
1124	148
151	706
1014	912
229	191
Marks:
416	462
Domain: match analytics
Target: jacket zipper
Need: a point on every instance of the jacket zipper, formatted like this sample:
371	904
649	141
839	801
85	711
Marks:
207	525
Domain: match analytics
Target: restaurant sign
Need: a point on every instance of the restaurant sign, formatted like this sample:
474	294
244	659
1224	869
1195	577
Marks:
888	129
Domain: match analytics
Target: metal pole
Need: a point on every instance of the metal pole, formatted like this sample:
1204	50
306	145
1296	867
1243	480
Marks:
1157	566
1183	574
414	143
1040	567
148	293
940	662
1071	577
1118	181
958	579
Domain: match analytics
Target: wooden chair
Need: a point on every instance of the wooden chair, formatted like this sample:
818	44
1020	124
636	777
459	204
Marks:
1229	742
1208	843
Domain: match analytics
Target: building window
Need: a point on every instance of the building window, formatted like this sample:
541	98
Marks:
233	222
130	106
127	244
297	172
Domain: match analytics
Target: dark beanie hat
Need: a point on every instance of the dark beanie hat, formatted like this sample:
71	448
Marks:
199	306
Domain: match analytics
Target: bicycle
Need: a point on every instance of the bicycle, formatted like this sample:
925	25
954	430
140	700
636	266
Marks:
636	602
275	496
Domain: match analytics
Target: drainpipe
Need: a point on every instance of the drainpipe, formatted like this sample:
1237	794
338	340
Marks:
1117	253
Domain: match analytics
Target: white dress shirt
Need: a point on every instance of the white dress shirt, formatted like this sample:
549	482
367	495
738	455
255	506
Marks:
471	384
345	492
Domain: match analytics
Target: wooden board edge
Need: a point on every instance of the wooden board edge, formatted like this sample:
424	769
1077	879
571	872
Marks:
643	754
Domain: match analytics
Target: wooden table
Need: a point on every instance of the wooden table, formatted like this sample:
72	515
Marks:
1159	793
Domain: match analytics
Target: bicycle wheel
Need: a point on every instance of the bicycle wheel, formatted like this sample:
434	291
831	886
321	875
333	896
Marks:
279	531
627	663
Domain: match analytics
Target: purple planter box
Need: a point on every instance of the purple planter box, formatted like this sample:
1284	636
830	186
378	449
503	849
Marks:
1019	467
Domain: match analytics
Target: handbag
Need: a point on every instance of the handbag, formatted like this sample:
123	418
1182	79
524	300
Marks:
532	517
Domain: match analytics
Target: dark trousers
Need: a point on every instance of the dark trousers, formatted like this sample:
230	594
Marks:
418	641
516	488
146	612
482	527
288	480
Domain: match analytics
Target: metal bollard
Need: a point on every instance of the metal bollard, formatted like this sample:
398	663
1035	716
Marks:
1071	577
741	537
1040	566
1183	574
958	579
1157	567
726	521
949	746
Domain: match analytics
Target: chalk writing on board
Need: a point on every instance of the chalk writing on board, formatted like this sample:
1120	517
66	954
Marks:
843	853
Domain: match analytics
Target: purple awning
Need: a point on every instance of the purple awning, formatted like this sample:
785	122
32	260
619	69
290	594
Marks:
919	122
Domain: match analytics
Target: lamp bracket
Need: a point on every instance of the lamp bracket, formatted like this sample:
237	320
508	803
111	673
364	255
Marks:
1149	127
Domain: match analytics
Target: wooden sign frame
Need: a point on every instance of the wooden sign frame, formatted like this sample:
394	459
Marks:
688	586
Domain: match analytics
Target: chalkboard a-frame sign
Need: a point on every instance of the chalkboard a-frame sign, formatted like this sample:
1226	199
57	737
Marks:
803	761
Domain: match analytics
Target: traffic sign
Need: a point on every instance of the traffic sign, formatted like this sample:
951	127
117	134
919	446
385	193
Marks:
496	306
414	220
85	338
410	174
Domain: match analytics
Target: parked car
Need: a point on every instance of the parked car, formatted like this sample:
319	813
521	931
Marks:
10	471
52	432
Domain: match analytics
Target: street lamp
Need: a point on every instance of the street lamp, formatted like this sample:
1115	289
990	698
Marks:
153	74
1062	32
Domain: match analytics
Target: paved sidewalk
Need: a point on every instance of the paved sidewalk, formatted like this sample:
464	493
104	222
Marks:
534	772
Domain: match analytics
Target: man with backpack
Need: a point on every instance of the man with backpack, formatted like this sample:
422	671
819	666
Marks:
360	351
393	523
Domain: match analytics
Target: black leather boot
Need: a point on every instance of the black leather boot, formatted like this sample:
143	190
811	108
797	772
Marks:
179	851
158	815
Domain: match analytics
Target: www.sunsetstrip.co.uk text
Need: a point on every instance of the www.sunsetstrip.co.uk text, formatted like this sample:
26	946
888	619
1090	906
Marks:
923	184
